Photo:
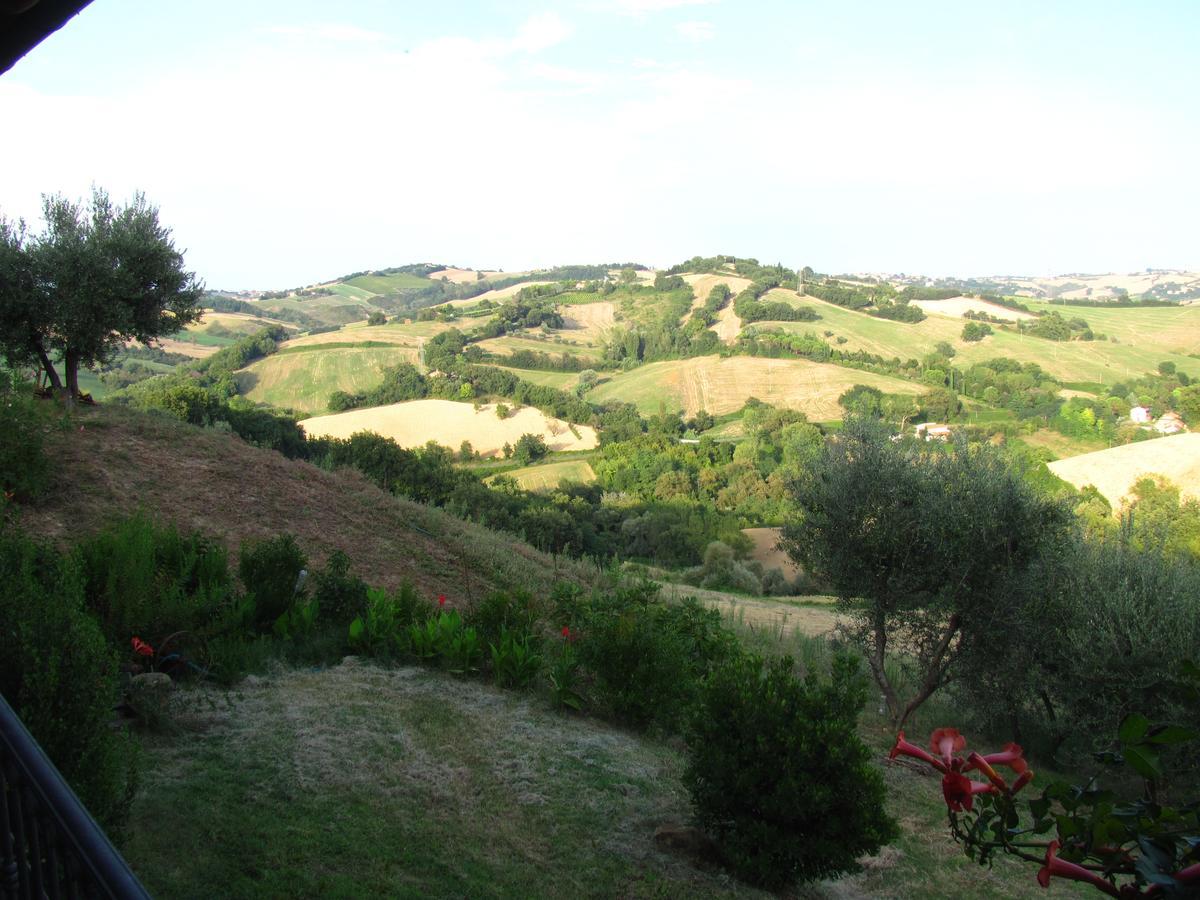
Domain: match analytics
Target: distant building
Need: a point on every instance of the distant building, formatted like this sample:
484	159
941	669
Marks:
1169	423
933	431
1140	415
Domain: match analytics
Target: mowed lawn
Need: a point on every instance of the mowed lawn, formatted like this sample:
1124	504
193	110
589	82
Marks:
551	475
304	381
723	385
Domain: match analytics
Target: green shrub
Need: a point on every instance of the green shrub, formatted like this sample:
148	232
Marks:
146	579
500	613
340	596
383	629
515	662
270	571
23	466
647	657
60	676
778	774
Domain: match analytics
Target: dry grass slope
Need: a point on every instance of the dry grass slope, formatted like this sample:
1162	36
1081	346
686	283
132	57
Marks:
1115	471
417	422
113	462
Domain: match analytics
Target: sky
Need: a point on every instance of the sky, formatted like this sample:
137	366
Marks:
288	142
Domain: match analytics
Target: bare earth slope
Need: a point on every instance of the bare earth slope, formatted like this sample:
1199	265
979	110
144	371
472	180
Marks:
1115	471
113	461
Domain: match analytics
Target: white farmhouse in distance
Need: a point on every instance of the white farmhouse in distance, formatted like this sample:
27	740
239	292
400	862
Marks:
1140	415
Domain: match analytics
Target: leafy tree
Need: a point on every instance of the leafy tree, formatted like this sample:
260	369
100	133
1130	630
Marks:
96	277
862	400
976	331
529	448
922	547
376	318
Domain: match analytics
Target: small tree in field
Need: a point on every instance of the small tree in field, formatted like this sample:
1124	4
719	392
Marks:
923	547
376	318
96	277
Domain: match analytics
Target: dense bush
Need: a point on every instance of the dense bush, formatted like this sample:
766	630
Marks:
778	774
23	465
647	657
340	596
270	571
149	580
60	676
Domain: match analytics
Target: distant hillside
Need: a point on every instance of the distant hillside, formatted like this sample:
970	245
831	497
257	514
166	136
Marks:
1114	472
114	461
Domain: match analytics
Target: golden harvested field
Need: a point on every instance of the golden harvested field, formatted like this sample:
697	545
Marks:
417	422
304	381
1114	471
768	553
722	386
702	285
187	348
589	320
499	295
1099	286
404	335
956	306
551	475
457	276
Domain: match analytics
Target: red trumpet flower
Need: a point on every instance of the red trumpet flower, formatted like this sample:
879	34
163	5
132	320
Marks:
904	748
1055	867
960	791
141	648
1012	756
946	742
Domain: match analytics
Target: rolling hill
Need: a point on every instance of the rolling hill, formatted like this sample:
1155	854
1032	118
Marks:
1114	471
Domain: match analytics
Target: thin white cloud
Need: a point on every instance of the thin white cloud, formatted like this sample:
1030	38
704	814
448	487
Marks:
540	32
696	31
330	31
644	7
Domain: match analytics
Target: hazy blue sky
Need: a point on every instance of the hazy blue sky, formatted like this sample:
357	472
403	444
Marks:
290	142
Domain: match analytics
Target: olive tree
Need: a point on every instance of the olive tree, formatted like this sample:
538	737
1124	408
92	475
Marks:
97	276
923	547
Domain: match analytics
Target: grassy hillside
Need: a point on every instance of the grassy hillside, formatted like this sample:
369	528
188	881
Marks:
1114	471
386	284
722	385
1159	337
304	381
114	461
552	474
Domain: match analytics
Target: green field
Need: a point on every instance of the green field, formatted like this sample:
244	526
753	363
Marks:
564	381
346	290
333	310
551	475
387	284
304	381
1095	361
1174	329
509	343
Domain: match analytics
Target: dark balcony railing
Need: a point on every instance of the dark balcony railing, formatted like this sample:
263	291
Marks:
50	846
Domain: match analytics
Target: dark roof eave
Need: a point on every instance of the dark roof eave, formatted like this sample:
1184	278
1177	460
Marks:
24	25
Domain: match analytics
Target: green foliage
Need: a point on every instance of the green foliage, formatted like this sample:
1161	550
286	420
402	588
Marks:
96	277
60	676
377	318
515	660
976	331
145	579
530	448
270	572
564	679
383	630
924	548
648	658
339	595
720	570
24	468
778	773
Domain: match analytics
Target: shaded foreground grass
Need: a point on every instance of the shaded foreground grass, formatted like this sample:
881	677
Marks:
364	781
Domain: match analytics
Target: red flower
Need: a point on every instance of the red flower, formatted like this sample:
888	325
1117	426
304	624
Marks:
975	761
1063	869
141	648
960	791
904	748
568	634
946	742
1012	756
441	599
1189	876
1023	779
